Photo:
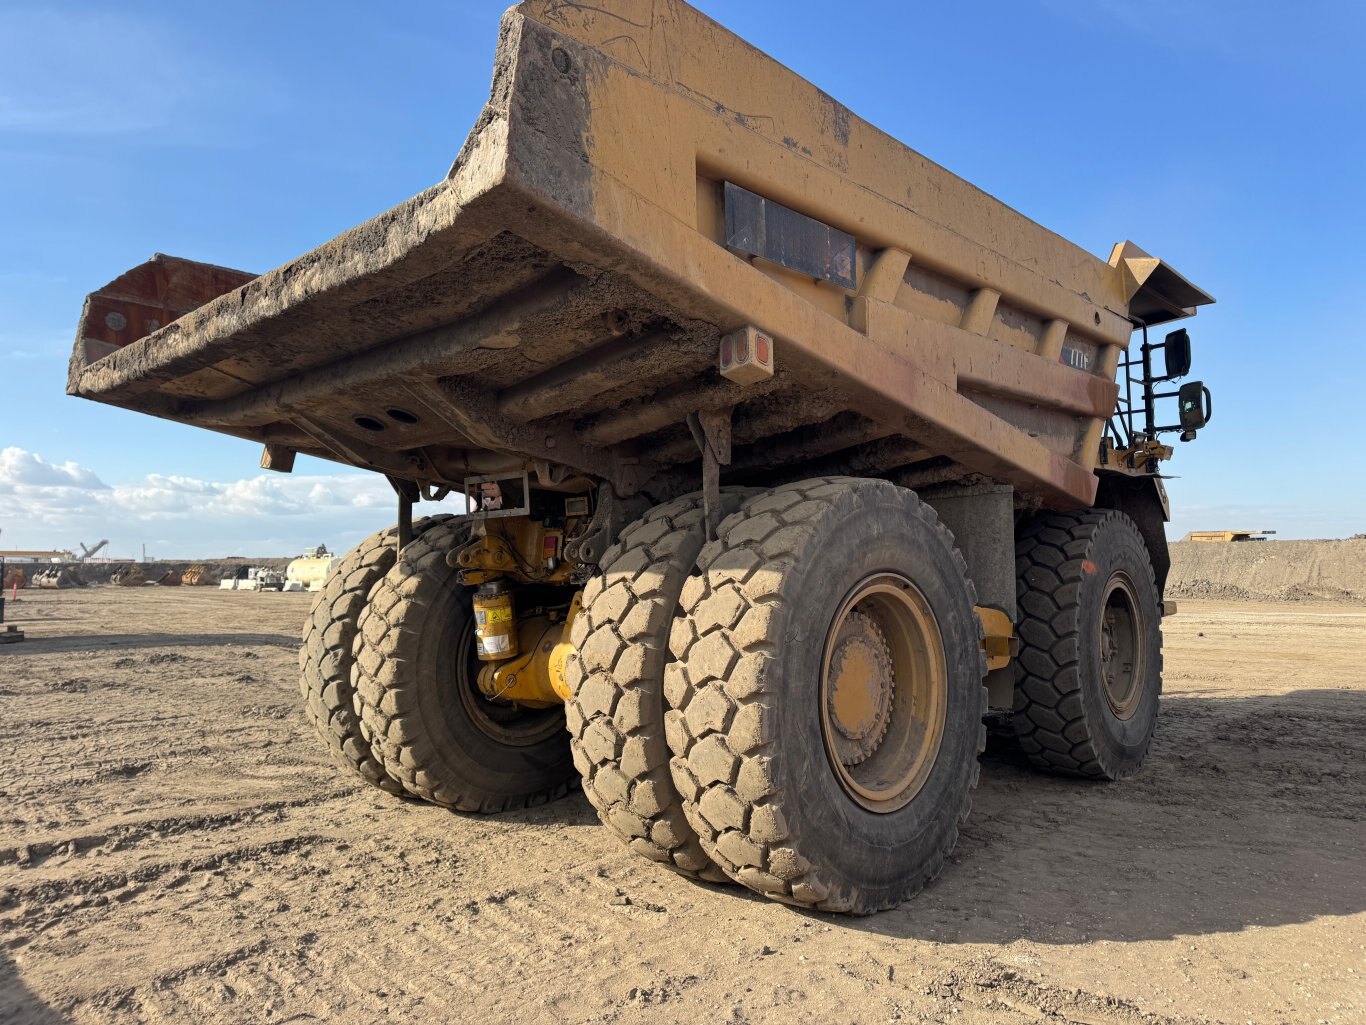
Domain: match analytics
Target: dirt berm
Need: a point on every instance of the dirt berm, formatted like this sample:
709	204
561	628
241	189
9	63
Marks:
1275	570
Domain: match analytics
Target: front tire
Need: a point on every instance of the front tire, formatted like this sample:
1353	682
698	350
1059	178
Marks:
827	695
416	673
1090	668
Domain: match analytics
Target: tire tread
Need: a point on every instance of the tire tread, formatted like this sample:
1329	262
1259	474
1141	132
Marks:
721	700
1050	718
325	655
616	712
387	702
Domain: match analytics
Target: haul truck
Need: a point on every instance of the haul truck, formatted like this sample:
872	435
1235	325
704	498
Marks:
786	453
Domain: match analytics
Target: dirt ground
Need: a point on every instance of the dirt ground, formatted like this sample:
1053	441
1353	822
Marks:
174	845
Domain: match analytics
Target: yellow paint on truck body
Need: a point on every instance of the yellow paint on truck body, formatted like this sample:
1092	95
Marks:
556	303
676	105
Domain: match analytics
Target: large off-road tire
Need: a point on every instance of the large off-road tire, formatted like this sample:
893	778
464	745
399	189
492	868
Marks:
827	695
325	658
415	679
616	714
1090	667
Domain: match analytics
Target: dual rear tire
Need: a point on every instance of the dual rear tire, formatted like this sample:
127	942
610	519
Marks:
325	656
388	671
616	710
417	697
826	698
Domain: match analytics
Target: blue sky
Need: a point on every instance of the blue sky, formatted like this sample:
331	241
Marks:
1225	137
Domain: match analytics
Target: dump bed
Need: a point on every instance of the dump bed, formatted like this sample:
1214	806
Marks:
641	184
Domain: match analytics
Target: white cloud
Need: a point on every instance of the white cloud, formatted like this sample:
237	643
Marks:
50	505
20	469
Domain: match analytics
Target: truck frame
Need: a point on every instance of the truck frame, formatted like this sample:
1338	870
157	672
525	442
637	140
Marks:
786	453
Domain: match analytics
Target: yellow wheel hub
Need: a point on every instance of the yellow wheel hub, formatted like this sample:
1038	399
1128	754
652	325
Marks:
1122	669
860	692
884	692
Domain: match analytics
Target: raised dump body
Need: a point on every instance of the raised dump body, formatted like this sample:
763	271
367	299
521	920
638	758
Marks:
780	445
641	183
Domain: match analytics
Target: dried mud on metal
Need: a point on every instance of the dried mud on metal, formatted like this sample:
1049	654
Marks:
175	845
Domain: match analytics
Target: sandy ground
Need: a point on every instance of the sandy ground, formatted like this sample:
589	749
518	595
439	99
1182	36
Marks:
174	845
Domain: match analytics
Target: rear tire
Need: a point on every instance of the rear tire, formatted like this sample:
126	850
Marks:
616	714
858	821
416	691
325	657
1087	590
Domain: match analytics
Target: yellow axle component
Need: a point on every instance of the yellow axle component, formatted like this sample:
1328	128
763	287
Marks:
519	548
536	677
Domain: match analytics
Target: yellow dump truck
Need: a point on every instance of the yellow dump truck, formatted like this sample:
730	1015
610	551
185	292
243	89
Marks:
786	455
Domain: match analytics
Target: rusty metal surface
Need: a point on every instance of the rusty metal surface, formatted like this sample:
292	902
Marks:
147	298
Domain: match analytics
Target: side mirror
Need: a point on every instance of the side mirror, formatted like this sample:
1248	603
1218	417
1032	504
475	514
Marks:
1177	350
1196	407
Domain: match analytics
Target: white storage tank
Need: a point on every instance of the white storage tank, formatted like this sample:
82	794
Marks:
310	570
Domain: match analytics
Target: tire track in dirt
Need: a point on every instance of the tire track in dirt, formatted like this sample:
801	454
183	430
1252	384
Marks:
125	838
239	878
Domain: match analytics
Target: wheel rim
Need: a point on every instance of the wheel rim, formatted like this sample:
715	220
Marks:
1121	649
883	693
503	722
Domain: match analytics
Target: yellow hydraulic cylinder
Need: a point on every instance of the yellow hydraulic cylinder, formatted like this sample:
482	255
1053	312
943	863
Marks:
537	677
495	622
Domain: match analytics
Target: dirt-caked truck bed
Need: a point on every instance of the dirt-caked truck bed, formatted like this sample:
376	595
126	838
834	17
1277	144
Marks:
783	449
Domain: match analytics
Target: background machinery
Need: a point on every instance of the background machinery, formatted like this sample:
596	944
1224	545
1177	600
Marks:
57	578
56	555
199	575
90	553
46	569
309	571
786	454
130	575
